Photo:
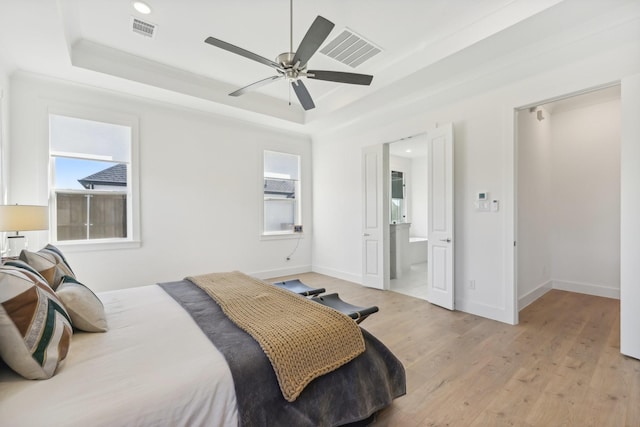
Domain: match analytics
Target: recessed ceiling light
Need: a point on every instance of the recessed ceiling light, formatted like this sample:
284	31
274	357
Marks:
142	7
408	150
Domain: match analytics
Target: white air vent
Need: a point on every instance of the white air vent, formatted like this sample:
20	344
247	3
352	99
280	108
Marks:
141	27
350	48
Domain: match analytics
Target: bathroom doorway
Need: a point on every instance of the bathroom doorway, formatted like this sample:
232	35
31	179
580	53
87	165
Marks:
408	214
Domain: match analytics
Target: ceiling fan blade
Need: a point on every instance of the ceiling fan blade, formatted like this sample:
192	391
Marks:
340	77
316	35
303	95
256	85
242	52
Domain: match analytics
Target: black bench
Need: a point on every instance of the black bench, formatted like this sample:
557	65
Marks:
356	313
296	286
331	300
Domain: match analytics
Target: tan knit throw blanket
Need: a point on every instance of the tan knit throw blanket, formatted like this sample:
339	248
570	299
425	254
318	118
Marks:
302	339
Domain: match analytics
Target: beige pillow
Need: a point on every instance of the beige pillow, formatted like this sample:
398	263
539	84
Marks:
50	263
84	307
35	329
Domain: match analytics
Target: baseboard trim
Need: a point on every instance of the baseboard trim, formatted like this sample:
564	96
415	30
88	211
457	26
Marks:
337	274
278	272
587	288
533	295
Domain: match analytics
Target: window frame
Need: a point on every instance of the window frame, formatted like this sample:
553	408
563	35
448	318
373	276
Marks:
282	234
133	190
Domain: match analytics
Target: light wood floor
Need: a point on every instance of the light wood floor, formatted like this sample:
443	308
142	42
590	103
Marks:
561	366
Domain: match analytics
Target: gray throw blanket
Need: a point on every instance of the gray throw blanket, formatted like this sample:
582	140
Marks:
349	394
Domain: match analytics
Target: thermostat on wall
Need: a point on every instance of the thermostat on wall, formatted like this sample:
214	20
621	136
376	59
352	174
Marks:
483	195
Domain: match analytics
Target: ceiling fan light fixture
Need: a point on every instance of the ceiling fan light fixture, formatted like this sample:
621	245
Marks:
142	7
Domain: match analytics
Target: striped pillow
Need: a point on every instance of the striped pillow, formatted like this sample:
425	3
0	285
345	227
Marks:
84	307
35	329
50	263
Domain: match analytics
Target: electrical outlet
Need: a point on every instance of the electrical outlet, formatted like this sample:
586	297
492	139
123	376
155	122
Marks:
472	284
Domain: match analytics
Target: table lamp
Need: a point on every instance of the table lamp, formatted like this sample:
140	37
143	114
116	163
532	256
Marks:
21	218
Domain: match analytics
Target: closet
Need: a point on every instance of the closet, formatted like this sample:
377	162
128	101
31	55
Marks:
568	196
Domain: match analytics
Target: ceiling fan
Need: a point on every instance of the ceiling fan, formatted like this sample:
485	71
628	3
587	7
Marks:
293	65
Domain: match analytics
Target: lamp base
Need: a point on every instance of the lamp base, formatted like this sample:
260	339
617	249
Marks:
15	245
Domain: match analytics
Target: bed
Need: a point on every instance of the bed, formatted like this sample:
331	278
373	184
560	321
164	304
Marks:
172	357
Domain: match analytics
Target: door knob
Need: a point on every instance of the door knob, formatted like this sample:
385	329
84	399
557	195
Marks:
366	234
446	240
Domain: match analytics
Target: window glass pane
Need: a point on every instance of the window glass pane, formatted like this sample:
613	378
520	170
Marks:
71	216
397	185
71	137
397	211
108	213
279	215
281	165
77	174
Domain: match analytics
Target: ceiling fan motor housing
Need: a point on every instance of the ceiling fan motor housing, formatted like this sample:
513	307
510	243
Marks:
291	72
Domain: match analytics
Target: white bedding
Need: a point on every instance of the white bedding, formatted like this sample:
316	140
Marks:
154	367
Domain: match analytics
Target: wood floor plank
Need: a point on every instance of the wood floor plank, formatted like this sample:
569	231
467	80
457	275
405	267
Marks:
560	366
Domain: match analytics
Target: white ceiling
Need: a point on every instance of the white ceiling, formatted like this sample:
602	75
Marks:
91	42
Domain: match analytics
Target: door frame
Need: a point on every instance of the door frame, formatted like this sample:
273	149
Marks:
512	238
448	127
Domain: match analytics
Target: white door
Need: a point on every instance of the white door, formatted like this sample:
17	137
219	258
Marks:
440	218
629	212
375	220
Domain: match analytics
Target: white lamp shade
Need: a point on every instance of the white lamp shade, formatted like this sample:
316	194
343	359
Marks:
24	218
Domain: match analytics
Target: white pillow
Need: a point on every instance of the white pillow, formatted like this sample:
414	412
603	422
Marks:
84	307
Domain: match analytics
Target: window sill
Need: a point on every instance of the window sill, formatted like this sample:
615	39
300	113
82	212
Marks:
283	235
73	246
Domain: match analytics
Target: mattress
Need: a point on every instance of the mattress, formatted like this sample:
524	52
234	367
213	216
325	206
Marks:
114	378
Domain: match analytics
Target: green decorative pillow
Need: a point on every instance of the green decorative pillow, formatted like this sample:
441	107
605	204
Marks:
50	263
84	307
35	329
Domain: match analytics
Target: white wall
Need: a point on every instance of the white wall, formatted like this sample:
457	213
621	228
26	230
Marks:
534	205
4	129
585	199
482	110
419	197
200	188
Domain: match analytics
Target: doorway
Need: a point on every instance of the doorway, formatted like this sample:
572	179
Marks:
568	196
440	225
408	213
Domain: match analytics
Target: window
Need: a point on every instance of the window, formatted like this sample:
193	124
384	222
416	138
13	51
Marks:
91	180
398	205
281	192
